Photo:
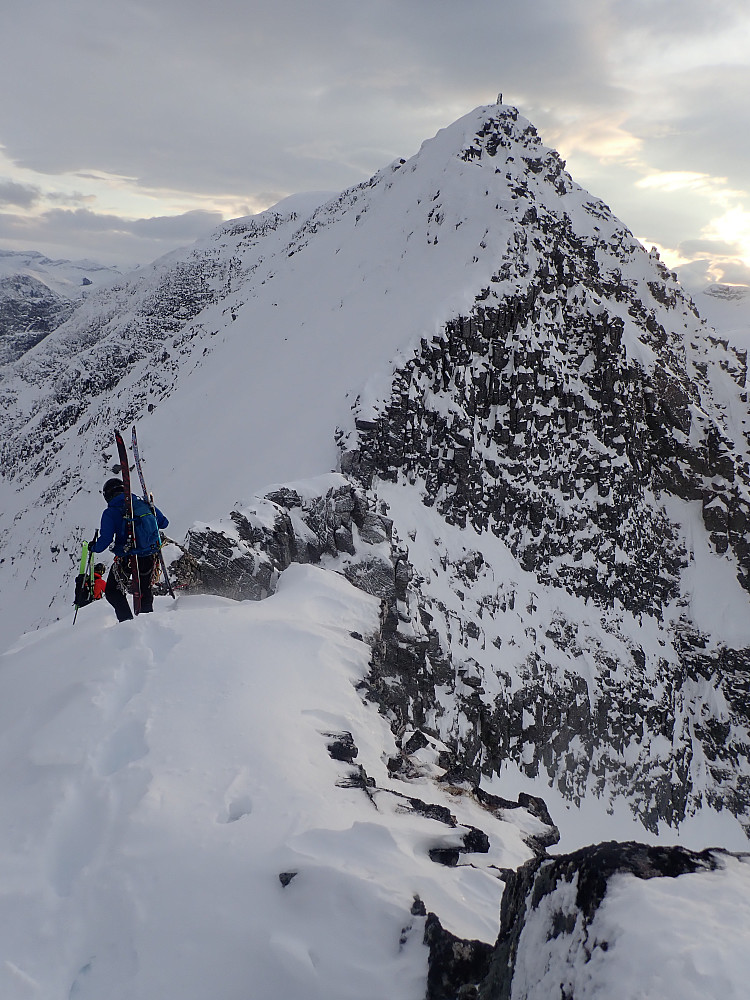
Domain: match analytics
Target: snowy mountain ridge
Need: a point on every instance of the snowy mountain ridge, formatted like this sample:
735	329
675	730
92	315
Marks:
38	294
577	407
542	513
66	277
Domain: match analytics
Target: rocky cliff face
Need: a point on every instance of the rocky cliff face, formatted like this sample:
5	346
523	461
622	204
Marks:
584	419
574	457
29	310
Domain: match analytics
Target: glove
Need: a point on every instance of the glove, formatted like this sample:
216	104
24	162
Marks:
92	543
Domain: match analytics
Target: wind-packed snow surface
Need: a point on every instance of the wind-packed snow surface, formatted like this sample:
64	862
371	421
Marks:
158	777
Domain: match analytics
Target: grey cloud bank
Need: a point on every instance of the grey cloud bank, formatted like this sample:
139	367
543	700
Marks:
106	238
201	112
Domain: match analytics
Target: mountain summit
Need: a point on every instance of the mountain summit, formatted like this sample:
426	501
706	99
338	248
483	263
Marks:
464	386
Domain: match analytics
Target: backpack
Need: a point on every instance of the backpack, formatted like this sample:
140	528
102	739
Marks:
147	536
83	595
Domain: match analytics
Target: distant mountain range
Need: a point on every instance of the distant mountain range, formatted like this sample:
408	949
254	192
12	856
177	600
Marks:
38	294
727	309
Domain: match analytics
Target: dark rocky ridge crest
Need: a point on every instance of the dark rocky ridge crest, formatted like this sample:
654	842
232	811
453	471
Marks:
241	557
463	969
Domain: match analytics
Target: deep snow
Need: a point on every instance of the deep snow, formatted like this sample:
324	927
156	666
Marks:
158	776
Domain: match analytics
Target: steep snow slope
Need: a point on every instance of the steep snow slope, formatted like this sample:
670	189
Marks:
158	778
727	309
562	447
242	356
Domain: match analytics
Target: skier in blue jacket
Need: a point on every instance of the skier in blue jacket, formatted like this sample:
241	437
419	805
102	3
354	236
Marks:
114	532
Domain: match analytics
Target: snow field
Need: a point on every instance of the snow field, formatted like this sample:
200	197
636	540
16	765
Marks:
158	776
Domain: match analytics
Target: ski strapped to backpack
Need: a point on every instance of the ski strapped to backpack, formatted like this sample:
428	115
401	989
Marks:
149	500
131	555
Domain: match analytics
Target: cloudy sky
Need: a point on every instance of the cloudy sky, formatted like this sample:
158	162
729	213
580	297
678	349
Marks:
128	128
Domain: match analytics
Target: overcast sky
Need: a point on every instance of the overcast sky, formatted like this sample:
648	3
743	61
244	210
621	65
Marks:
128	128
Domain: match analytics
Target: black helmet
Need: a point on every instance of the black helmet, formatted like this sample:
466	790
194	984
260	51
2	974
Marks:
111	488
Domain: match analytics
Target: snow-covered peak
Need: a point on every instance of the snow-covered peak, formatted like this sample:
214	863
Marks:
68	278
727	309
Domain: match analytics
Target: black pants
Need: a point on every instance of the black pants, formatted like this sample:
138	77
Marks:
118	599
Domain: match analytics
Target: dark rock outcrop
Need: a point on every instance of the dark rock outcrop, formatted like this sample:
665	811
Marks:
242	556
29	310
590	869
455	964
466	969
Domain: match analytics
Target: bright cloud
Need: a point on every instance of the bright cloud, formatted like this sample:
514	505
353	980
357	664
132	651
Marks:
733	226
228	108
671	181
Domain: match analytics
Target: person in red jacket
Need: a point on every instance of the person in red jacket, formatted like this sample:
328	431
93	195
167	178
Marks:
99	582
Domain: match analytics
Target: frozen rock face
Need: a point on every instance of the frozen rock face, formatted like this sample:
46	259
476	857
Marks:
572	455
529	420
241	557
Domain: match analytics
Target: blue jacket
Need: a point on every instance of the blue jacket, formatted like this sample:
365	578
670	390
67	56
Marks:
114	527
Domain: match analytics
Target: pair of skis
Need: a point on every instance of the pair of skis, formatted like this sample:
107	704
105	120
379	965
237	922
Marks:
86	578
133	558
